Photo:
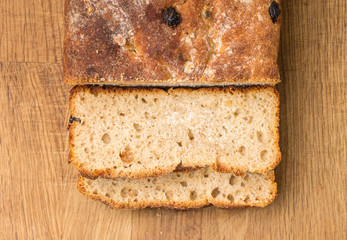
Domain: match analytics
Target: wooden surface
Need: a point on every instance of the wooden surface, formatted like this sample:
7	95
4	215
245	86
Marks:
38	197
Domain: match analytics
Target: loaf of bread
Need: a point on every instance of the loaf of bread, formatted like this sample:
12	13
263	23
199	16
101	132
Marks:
185	190
146	132
171	43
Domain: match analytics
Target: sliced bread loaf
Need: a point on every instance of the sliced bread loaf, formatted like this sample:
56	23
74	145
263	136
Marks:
146	132
185	190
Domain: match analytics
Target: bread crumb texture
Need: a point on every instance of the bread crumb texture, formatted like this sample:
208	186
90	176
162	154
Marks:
185	190
136	133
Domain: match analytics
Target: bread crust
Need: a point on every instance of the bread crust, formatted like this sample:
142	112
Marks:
177	205
218	42
111	173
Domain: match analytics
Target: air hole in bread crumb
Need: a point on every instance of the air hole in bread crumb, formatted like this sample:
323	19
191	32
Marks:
126	155
146	115
248	119
247	199
242	150
95	192
232	180
106	138
206	176
135	200
136	96
148	180
121	114
263	155
237	112
139	162
190	135
178	175
215	192
260	136
265	110
155	100
242	184
143	100
230	198
168	195
193	195
127	191
157	188
179	144
86	150
256	199
89	182
260	188
184	184
107	195
246	177
137	127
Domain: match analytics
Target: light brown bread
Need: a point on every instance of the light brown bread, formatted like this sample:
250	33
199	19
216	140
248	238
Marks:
210	42
137	133
185	190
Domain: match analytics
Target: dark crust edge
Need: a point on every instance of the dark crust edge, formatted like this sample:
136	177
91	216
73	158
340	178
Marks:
174	82
110	173
66	7
177	205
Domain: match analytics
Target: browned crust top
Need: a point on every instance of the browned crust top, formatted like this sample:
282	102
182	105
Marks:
127	43
111	173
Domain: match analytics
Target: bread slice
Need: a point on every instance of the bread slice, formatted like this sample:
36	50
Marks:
185	190
211	42
138	132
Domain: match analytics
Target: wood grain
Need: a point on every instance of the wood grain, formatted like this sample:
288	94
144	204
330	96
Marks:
39	199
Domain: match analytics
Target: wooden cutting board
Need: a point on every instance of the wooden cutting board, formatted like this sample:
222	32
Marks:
38	197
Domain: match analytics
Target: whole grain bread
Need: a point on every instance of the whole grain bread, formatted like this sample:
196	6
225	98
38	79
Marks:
185	190
171	42
146	132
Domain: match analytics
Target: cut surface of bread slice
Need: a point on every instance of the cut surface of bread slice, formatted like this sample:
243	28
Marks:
202	43
184	190
139	132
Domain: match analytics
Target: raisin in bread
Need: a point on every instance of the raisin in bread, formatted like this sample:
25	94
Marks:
171	43
185	190
139	132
